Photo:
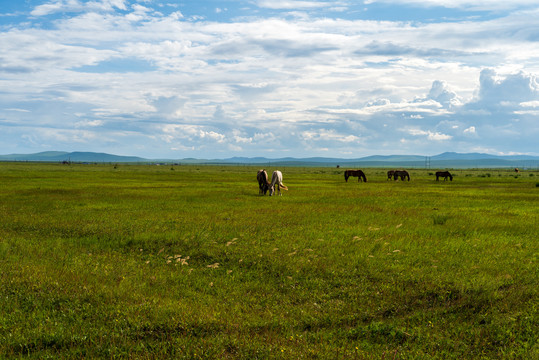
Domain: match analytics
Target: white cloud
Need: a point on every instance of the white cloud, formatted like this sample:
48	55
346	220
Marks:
89	123
435	136
292	4
532	104
462	4
441	93
328	135
439	137
416	132
470	130
238	138
18	110
212	135
508	90
191	133
78	6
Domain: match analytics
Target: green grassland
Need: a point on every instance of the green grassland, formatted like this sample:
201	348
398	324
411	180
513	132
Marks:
190	262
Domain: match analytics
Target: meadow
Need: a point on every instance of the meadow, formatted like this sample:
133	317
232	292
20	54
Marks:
190	262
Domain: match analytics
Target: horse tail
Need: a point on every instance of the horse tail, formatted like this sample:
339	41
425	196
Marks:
283	187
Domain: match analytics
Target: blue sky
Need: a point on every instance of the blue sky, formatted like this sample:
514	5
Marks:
272	78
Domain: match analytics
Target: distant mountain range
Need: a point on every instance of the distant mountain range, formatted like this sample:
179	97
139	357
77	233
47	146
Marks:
445	160
59	156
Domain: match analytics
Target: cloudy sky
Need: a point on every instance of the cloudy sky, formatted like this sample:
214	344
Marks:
272	78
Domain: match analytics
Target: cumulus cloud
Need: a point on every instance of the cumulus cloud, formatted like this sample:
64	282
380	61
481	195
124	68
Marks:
509	90
441	93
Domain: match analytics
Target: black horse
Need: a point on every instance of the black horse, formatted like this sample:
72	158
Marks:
390	174
401	174
263	184
444	174
357	173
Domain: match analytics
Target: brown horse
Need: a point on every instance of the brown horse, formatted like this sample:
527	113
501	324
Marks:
444	174
263	184
390	174
517	170
357	173
401	174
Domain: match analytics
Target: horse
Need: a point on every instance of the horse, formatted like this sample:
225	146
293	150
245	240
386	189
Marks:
517	170
263	184
444	174
276	180
357	173
402	174
390	174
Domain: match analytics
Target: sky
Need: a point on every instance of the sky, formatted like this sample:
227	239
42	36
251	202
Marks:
273	78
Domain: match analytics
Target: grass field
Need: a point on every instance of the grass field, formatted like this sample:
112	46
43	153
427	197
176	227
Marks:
148	262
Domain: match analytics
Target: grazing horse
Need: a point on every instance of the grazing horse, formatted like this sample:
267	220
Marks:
276	180
444	174
263	183
390	174
401	174
517	170
357	173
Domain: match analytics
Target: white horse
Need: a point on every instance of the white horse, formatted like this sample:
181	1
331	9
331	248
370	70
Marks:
277	180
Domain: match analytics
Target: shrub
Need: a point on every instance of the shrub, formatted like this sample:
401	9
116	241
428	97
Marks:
439	219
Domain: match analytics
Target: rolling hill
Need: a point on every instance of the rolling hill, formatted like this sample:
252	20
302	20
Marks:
444	160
